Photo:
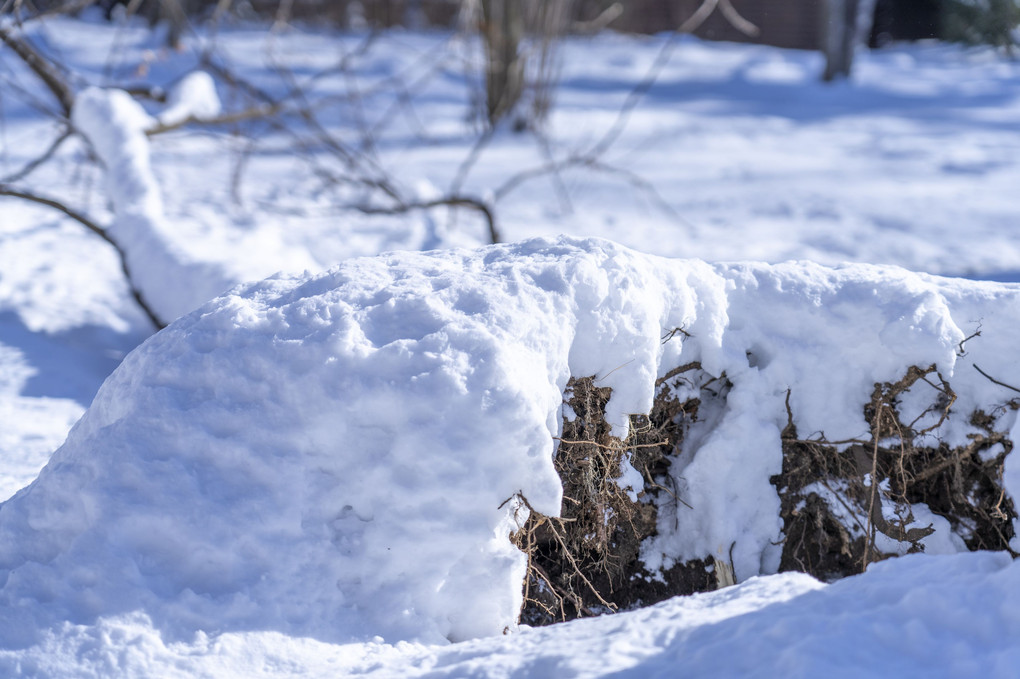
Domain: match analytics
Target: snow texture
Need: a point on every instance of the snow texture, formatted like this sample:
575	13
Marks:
221	481
335	455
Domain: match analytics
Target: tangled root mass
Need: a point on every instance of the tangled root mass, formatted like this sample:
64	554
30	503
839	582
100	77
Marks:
844	504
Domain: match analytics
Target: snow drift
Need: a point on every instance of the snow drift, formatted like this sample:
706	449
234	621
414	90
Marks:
335	455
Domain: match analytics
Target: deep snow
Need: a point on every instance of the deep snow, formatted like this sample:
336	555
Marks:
249	494
334	456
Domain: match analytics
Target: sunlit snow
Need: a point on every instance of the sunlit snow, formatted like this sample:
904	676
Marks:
308	475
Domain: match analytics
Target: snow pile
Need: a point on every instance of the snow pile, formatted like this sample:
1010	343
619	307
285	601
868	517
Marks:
822	338
336	455
172	277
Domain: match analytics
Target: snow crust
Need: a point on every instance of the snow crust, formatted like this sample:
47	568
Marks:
336	455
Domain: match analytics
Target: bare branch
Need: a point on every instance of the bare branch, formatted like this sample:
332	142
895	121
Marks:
995	381
99	231
68	8
471	159
692	24
592	157
31	166
594	164
149	92
370	174
738	22
367	173
960	351
562	192
599	23
42	67
447	201
232	79
643	185
222	7
255	113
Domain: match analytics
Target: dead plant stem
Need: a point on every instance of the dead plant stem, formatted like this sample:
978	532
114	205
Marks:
870	532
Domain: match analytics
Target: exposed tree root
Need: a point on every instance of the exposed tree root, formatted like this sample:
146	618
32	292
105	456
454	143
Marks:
844	504
585	562
847	504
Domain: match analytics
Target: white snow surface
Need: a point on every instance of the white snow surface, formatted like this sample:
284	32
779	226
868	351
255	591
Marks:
208	516
914	616
335	456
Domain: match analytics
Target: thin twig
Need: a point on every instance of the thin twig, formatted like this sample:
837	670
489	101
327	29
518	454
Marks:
42	67
960	351
693	365
592	157
31	166
472	157
606	376
651	482
869	533
448	201
550	521
992	379
616	448
577	569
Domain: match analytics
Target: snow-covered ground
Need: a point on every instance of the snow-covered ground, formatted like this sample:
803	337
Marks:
308	475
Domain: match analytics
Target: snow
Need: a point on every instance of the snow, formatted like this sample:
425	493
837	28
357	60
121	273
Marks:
913	616
408	396
279	458
170	278
315	474
194	98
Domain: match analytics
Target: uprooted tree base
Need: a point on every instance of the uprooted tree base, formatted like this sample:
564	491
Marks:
844	504
585	562
847	504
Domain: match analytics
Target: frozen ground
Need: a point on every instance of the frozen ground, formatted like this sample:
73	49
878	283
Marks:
736	153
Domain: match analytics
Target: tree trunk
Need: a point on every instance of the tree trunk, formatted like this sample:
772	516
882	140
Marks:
865	20
173	13
502	31
840	34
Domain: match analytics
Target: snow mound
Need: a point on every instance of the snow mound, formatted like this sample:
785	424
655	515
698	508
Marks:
336	455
